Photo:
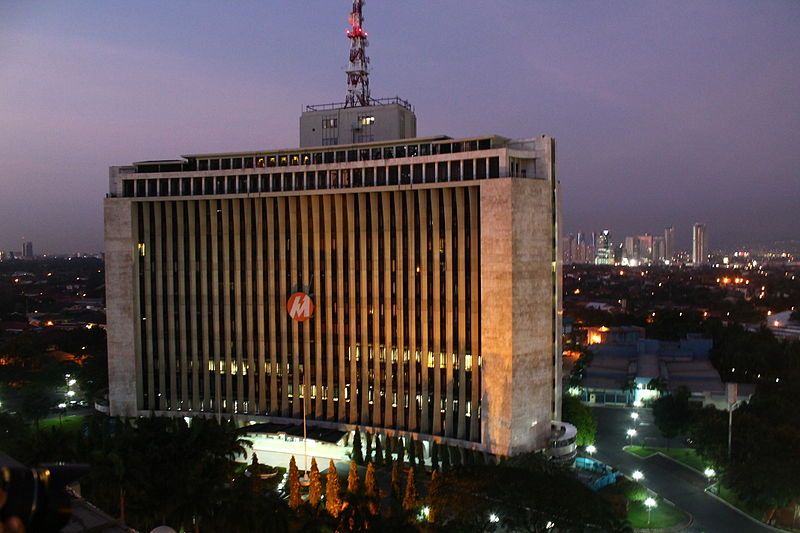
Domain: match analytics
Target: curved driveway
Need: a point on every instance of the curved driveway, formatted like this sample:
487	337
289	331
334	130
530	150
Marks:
682	486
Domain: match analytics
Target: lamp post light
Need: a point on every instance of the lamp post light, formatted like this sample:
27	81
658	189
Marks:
637	475
710	474
650	503
631	433
591	449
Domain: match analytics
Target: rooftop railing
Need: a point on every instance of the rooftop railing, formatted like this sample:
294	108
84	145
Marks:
373	102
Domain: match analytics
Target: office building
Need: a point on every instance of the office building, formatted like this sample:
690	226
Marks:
430	261
669	243
605	255
408	285
27	250
699	244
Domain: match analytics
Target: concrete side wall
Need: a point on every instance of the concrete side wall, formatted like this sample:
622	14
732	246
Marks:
533	302
517	314
120	250
391	122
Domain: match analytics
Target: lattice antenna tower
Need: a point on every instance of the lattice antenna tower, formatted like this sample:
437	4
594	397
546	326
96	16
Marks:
358	71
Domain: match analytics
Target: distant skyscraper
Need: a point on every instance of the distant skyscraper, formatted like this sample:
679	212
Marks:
669	243
646	248
659	249
27	250
699	244
604	255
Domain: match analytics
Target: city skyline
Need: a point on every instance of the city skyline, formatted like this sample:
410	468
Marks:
205	78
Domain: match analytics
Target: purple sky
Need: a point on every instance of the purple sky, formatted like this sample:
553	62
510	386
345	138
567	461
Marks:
666	113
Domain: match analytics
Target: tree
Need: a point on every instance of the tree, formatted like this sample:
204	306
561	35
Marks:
525	500
368	453
352	478
378	450
672	414
397	481
434	456
358	455
387	461
455	456
579	369
410	496
371	489
580	416
295	500
36	404
445	451
412	452
315	485
420	453
333	503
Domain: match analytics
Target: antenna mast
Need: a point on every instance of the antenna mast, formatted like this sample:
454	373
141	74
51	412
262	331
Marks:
358	72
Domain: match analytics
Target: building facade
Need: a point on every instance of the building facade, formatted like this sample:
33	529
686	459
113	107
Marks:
699	244
669	243
433	267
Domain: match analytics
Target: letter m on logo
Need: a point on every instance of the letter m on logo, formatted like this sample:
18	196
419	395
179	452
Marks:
301	307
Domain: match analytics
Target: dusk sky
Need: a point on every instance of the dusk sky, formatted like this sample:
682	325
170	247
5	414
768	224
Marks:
665	113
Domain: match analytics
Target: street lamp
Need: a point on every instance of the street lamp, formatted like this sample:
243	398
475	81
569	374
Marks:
709	472
649	503
591	449
635	416
493	518
631	433
637	475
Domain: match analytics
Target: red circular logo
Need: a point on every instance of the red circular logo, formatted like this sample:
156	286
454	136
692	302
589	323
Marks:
300	306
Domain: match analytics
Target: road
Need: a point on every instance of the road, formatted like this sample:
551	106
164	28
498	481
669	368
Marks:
680	485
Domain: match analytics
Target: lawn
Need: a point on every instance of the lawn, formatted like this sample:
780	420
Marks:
728	495
69	423
662	516
686	456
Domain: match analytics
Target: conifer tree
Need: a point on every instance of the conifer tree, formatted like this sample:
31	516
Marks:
358	455
434	456
315	486
378	450
352	478
410	496
368	447
371	489
388	451
397	481
455	456
333	503
370	483
295	500
434	491
412	452
479	458
468	457
445	451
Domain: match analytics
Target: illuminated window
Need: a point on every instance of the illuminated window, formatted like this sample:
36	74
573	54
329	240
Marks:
329	123
366	120
142	249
